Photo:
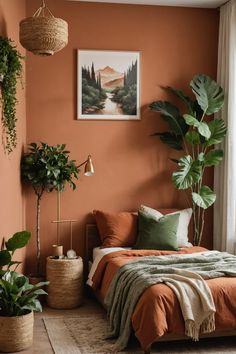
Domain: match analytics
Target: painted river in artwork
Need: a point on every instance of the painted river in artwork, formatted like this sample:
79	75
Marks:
110	107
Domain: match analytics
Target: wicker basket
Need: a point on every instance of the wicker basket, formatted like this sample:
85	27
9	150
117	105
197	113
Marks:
16	333
43	35
66	282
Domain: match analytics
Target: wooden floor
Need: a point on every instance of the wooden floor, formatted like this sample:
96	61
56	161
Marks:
42	345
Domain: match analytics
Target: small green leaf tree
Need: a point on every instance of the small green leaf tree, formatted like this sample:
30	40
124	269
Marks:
196	136
47	168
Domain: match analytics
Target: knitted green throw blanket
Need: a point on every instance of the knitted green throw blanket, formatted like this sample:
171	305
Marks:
184	273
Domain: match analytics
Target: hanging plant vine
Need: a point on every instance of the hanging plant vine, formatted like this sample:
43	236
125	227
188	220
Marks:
10	72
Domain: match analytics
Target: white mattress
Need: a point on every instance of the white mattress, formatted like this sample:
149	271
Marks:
97	251
98	254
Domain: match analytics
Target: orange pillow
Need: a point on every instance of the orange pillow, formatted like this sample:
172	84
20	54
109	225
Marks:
117	229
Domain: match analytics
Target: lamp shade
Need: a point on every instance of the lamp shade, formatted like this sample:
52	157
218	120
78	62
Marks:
89	169
43	34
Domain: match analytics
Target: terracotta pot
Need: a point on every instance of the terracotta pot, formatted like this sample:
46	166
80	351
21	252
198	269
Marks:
16	333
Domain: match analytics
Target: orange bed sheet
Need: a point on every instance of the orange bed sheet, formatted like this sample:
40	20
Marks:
158	312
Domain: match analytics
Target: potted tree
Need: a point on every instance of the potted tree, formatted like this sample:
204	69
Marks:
18	299
47	168
195	133
10	72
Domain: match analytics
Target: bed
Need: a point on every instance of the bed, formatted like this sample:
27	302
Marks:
157	315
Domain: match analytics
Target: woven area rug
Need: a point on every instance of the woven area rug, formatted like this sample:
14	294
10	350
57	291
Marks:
85	335
81	335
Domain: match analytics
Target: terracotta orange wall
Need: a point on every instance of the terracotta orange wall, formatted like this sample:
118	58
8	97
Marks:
131	167
12	206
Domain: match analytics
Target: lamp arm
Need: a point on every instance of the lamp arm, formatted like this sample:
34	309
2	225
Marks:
83	163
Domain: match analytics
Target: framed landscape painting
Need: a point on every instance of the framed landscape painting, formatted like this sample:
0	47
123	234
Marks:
108	85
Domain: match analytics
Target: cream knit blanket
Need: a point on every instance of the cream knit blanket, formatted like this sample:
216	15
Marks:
195	299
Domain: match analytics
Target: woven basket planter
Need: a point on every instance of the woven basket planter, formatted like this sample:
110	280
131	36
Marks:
65	289
43	35
16	333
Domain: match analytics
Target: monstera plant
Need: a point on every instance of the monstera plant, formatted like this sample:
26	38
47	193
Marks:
195	133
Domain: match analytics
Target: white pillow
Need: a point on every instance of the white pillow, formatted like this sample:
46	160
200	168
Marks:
184	220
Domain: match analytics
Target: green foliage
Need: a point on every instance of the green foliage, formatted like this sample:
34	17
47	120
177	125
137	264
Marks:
204	198
189	172
218	132
92	93
202	127
5	258
17	296
172	116
126	95
48	168
197	138
18	240
10	71
171	139
209	94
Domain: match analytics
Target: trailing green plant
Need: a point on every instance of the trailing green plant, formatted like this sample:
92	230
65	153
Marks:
10	72
47	168
195	136
17	296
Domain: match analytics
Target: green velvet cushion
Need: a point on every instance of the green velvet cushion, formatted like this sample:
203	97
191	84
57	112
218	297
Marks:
157	234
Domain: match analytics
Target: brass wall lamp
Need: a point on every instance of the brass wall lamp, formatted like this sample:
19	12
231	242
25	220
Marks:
88	168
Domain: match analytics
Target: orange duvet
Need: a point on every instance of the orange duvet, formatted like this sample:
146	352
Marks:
157	311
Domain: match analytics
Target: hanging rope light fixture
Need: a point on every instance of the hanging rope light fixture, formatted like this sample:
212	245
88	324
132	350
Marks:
43	34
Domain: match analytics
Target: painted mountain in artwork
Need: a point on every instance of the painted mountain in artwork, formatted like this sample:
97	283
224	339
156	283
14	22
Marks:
110	78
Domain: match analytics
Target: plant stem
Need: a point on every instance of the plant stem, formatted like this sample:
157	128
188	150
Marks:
38	245
202	227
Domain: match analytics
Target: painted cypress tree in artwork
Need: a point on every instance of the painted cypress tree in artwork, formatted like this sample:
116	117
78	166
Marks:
99	82
93	77
126	96
130	77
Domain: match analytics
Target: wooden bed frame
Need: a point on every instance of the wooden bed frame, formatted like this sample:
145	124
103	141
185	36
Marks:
92	240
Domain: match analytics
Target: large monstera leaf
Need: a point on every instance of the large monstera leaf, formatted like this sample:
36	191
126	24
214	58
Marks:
188	174
218	131
209	94
205	198
213	158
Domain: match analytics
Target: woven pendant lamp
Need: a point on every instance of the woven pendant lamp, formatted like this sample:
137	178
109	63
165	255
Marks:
43	34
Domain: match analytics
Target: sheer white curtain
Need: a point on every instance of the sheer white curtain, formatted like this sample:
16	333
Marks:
225	174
